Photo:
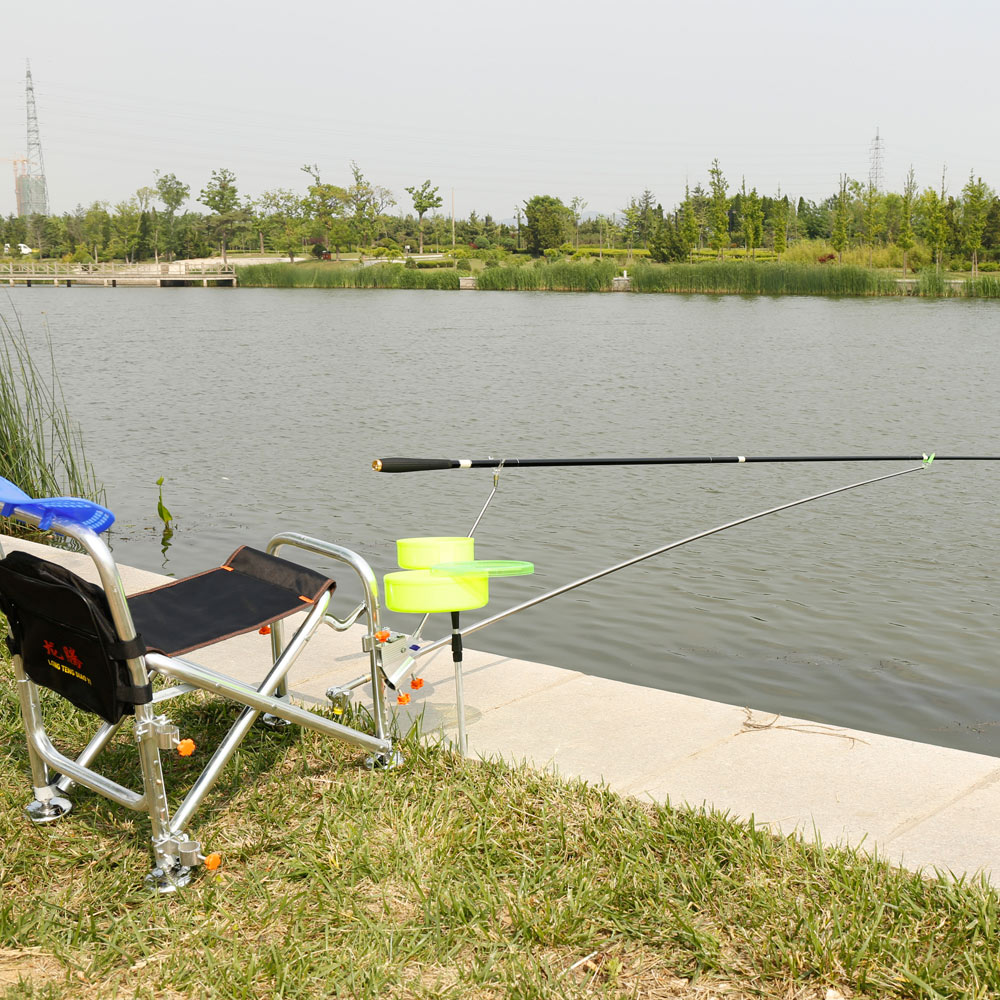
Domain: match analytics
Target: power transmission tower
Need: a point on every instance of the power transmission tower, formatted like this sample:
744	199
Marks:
875	169
32	191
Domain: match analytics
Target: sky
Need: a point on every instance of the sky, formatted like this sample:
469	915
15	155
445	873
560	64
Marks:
499	102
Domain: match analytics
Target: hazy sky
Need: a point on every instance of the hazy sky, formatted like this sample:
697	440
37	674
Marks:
500	101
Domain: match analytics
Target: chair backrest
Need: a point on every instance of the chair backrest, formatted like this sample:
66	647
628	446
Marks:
61	627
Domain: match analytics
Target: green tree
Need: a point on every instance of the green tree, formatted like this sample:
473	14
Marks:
872	218
688	224
666	241
547	222
648	216
607	229
976	198
905	238
576	206
328	204
95	228
841	219
172	193
222	199
780	226
632	226
424	199
281	217
718	209
367	202
932	221
752	219
125	224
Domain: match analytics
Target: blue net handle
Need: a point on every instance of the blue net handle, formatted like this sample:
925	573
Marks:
76	509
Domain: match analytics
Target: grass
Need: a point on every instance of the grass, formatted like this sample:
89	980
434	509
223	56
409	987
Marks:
729	277
41	446
450	878
748	278
559	276
320	276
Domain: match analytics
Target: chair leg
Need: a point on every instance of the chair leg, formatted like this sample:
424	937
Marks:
171	870
47	805
281	691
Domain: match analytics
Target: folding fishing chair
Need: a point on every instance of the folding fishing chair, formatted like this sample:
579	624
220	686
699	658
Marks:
99	650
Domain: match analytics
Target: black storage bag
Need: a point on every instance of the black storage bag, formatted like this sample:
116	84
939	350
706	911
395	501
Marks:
61	627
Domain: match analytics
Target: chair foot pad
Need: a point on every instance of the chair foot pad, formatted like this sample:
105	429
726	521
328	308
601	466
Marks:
48	812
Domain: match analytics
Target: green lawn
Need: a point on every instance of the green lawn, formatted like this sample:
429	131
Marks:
458	879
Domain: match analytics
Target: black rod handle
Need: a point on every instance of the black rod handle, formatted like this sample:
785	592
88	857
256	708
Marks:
413	464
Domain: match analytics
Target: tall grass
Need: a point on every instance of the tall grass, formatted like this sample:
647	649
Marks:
748	278
41	446
318	276
983	288
560	276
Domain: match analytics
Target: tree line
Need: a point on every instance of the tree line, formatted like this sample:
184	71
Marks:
928	225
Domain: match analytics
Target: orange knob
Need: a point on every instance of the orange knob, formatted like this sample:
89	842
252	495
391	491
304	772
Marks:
213	862
383	635
185	748
264	630
403	699
416	683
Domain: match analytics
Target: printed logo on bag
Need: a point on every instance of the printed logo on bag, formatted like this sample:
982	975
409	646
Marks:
65	661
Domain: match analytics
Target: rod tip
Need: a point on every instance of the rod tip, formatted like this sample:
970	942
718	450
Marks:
377	465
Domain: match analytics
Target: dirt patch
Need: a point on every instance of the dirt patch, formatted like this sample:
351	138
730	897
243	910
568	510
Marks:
31	965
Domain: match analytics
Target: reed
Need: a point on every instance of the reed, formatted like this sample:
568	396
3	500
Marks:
316	276
983	288
932	285
559	276
41	446
748	278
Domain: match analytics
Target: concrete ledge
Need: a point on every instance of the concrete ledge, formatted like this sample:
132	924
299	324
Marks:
917	805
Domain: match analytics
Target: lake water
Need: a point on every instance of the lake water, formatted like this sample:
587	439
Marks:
876	609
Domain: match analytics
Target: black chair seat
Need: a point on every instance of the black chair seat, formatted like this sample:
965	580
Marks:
249	590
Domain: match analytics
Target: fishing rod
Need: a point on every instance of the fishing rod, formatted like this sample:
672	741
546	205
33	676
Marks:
434	464
415	651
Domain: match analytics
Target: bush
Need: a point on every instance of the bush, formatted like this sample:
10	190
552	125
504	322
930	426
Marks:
463	264
410	263
989	265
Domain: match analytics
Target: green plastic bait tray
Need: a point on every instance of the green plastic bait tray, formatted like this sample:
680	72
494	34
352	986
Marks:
421	591
491	567
422	553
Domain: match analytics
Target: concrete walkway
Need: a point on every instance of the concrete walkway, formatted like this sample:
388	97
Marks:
918	805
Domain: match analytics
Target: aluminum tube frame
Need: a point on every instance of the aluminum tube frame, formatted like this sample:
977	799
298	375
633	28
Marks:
254	699
41	746
370	599
97	743
500	616
154	798
257	700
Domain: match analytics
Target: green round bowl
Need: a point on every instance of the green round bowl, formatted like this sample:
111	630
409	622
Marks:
419	591
422	553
